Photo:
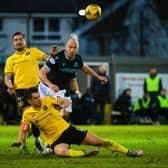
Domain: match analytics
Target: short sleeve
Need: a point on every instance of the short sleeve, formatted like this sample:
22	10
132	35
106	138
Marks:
52	100
8	66
52	62
40	55
25	119
80	60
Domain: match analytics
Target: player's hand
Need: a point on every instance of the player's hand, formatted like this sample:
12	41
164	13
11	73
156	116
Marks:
103	79
11	91
78	93
54	50
24	150
55	88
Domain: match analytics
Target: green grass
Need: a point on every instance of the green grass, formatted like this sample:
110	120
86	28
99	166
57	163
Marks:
152	139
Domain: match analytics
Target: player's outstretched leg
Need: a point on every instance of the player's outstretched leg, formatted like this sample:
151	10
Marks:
116	147
63	150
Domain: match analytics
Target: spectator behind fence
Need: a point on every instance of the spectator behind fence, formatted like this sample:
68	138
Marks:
124	105
100	91
153	85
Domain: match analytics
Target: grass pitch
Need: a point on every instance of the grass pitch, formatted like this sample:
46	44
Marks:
152	139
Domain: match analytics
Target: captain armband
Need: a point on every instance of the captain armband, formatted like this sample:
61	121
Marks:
25	127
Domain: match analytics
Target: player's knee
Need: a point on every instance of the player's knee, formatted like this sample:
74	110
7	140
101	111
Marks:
61	151
99	142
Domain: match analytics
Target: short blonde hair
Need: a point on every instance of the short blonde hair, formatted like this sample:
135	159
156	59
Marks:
74	37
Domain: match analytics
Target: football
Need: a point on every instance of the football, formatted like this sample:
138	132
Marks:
91	12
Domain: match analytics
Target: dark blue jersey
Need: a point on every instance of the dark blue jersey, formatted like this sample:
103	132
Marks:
63	70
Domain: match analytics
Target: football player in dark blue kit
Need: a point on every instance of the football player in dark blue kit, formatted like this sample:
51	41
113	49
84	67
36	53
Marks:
60	71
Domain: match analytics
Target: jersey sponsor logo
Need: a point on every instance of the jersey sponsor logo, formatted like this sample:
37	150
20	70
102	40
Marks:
68	70
33	116
20	61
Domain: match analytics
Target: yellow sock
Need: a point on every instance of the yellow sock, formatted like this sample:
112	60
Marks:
114	146
76	153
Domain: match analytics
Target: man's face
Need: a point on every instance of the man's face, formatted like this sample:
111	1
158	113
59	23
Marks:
102	69
71	48
153	71
19	42
35	101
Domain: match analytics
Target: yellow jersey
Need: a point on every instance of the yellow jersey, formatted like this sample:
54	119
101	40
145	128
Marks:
24	67
47	119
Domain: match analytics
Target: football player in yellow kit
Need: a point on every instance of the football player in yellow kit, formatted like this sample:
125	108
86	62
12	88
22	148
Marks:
59	134
21	74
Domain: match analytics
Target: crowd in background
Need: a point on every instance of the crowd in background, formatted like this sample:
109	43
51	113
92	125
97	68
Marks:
150	108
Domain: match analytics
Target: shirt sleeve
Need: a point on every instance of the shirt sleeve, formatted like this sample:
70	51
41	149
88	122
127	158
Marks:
80	60
25	119
8	66
50	64
40	55
50	100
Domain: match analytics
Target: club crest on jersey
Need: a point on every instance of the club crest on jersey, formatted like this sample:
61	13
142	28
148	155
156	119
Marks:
27	53
45	108
52	60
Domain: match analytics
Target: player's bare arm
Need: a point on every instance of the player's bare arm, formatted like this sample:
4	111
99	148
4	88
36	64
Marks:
91	72
54	50
25	129
62	103
9	84
43	77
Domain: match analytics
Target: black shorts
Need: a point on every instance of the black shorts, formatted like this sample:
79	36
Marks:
21	99
70	136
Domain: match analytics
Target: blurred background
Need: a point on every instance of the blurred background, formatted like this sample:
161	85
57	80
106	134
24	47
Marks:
129	37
